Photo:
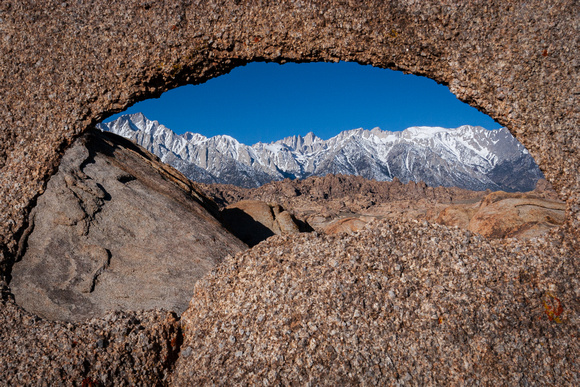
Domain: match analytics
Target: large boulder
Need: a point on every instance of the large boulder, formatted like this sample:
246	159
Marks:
254	221
397	303
116	229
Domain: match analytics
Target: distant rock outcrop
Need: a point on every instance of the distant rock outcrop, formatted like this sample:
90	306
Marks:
345	225
321	201
518	215
253	221
338	203
333	187
117	229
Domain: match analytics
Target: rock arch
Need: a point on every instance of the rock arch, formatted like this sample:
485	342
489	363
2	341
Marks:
66	65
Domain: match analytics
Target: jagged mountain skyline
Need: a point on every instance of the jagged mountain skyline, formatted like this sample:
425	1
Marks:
267	101
466	157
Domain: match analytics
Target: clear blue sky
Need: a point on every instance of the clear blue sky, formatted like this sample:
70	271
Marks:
267	101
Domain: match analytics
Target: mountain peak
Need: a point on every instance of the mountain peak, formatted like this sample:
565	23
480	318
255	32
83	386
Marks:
310	138
137	118
422	131
377	131
467	157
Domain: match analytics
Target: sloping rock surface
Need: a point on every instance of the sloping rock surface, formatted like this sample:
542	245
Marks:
502	214
117	230
399	303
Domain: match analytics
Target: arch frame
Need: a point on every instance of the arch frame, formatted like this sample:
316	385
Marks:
67	66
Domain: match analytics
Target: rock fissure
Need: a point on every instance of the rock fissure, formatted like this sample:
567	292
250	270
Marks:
99	271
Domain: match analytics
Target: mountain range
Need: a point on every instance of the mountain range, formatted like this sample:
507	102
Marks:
469	157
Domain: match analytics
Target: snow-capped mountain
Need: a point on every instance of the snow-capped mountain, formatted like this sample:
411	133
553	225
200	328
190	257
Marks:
467	157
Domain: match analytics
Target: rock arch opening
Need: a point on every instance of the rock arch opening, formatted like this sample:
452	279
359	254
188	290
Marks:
66	66
352	96
259	113
116	229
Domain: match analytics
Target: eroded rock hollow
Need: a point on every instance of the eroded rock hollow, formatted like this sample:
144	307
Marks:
65	66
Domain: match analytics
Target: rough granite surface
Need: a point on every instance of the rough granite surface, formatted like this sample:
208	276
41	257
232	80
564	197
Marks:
398	303
117	349
65	66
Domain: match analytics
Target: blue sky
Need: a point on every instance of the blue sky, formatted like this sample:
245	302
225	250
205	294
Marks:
267	101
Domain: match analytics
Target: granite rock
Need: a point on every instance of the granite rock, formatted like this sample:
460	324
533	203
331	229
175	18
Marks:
65	66
397	303
502	214
345	225
254	221
116	230
116	349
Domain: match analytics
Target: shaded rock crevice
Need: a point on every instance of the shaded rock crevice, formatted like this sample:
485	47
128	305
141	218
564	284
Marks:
104	265
253	221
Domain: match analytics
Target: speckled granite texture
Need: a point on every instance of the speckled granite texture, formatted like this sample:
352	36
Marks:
385	306
66	65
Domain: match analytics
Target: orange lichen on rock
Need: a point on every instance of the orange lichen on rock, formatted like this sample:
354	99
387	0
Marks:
553	307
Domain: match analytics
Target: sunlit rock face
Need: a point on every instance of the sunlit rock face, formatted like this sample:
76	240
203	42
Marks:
67	65
116	229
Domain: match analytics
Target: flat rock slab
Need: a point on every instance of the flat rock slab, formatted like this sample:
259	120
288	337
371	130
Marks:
116	230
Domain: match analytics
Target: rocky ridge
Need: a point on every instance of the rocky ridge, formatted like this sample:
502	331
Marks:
336	187
336	203
468	157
